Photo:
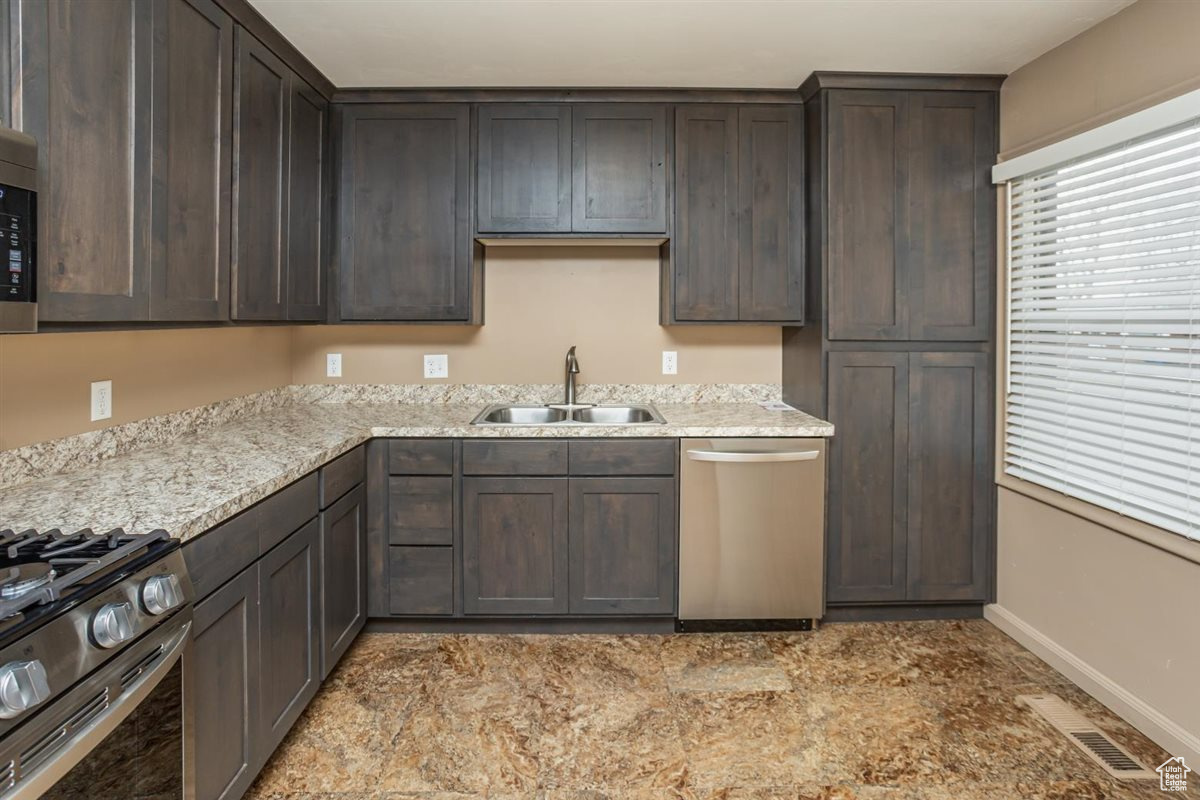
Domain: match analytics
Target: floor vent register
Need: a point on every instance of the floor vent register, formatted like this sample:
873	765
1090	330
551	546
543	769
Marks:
1114	759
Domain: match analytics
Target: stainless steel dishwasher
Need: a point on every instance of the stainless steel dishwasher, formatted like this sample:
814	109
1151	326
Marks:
752	532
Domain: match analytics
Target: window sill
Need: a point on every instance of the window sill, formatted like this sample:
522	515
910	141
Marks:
1155	537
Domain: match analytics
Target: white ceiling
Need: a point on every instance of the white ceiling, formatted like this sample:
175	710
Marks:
667	43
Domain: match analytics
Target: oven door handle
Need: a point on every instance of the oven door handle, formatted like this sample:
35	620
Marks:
41	780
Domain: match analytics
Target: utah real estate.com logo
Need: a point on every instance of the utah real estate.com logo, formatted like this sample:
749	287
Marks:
1172	775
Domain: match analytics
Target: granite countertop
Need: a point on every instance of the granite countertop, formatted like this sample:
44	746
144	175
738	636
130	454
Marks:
190	484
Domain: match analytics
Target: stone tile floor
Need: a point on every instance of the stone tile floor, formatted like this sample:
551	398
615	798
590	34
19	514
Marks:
883	710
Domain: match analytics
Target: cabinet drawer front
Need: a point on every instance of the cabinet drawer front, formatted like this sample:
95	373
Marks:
421	457
421	580
421	510
514	458
285	511
216	556
342	474
632	457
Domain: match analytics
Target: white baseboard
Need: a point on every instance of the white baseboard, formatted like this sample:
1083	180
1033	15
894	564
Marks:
1171	736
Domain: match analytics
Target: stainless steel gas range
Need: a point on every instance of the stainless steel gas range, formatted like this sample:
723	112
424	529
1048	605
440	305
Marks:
92	632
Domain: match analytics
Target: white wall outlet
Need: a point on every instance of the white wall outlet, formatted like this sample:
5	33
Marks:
437	366
102	401
670	362
333	365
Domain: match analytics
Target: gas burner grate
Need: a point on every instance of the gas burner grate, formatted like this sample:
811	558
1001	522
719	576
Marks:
74	558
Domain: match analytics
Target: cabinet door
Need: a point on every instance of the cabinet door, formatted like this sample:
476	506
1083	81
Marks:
260	123
85	95
524	164
222	675
705	247
867	214
619	171
949	485
771	209
622	545
307	165
405	212
343	576
193	132
952	215
515	545
291	640
868	477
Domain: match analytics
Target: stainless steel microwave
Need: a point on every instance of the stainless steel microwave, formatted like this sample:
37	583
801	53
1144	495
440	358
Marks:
18	232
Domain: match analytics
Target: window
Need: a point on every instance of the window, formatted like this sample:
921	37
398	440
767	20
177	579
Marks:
1103	395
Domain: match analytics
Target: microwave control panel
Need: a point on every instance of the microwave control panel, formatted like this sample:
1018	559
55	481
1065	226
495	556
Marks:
18	229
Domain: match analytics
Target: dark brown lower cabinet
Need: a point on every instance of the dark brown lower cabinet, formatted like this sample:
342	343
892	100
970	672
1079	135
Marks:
421	581
223	679
949	476
622	545
280	596
910	505
289	596
867	517
515	545
343	576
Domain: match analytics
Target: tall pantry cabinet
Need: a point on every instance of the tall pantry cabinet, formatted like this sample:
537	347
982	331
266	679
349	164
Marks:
899	351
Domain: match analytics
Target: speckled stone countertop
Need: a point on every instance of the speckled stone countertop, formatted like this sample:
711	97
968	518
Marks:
194	482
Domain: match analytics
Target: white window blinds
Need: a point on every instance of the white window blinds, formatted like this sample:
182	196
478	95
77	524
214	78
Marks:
1103	399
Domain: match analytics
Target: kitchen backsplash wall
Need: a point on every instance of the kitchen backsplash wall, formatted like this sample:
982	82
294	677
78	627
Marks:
45	378
539	302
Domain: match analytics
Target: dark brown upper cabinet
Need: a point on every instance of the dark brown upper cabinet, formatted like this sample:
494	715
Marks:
279	179
164	135
910	215
524	163
260	155
84	83
308	202
192	123
406	252
705	248
619	168
738	250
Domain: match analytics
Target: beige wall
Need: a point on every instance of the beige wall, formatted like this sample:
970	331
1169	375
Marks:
539	301
1145	54
45	379
1112	612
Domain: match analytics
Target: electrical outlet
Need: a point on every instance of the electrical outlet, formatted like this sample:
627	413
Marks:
670	362
333	365
437	366
102	402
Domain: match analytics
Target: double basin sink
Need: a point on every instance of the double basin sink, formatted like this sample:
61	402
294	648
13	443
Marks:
505	414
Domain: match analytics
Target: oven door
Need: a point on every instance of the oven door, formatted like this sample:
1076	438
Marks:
118	734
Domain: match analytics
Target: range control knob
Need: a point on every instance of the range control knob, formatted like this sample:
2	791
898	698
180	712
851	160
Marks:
112	625
22	686
162	593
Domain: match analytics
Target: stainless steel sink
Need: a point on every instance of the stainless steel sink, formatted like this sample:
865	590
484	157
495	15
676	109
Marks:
505	414
617	415
520	415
